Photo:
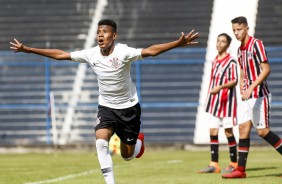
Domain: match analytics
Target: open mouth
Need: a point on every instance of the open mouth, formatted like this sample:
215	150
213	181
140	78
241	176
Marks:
101	41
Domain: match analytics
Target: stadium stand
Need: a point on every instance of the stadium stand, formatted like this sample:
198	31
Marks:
143	23
62	78
46	23
169	100
24	107
169	92
268	24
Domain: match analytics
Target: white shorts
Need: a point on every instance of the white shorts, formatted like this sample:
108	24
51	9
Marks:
256	110
216	122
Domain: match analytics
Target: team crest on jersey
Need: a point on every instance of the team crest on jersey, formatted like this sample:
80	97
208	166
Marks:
220	69
115	62
250	54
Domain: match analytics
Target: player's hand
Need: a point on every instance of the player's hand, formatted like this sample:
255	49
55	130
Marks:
17	46
246	94
189	38
215	90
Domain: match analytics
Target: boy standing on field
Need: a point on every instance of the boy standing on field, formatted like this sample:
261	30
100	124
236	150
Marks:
119	110
222	104
254	108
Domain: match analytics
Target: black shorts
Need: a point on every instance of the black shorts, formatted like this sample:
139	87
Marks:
125	122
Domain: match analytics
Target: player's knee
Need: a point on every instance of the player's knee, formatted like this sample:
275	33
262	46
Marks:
262	132
101	143
127	151
228	132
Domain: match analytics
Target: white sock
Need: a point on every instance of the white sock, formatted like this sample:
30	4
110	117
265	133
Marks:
137	149
105	160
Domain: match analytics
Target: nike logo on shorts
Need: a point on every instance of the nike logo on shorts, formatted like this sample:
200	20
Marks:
129	139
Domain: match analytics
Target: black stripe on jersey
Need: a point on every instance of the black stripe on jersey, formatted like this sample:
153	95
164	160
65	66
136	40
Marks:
260	89
230	101
216	106
214	110
257	51
258	58
209	103
220	83
247	66
218	96
231	91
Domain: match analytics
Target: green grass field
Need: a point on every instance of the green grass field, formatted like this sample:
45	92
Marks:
155	167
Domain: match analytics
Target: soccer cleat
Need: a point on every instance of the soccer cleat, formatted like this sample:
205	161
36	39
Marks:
141	138
229	169
212	168
235	174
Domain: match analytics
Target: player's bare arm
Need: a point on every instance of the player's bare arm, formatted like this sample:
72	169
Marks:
262	76
52	53
183	41
230	84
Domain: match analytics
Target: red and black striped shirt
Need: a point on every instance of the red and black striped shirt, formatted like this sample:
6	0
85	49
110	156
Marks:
222	104
249	58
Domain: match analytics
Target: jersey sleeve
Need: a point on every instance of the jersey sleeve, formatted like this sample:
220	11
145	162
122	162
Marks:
80	56
232	71
133	54
260	51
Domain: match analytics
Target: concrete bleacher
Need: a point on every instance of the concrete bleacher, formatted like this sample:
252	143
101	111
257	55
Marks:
275	83
143	23
170	95
268	29
268	24
46	23
170	83
24	107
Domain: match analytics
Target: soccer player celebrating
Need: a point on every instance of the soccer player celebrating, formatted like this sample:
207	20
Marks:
119	110
254	108
221	104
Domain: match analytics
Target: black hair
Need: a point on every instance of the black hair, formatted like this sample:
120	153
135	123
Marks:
240	20
229	39
108	22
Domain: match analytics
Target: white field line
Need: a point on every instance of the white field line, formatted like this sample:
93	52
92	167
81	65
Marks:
85	173
70	176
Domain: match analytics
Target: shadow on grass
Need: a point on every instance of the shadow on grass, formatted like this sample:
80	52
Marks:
265	175
279	175
260	168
